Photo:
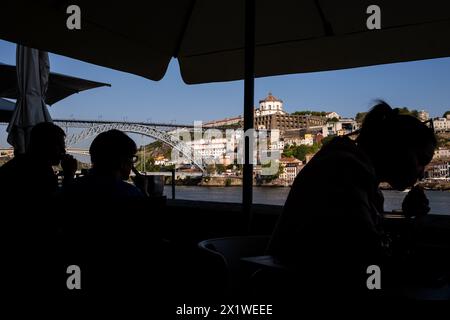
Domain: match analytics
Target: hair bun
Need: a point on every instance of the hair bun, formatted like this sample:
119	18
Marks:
383	123
379	114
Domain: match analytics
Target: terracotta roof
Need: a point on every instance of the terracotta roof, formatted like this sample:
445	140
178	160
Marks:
223	120
270	98
289	160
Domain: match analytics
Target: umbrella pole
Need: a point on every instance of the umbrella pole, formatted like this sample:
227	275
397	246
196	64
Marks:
249	87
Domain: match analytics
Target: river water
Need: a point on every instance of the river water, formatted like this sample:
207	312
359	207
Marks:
439	200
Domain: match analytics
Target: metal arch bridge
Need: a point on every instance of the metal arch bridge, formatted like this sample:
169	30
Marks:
75	123
93	128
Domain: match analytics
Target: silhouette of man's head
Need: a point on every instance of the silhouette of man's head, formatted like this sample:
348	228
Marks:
399	145
47	143
112	152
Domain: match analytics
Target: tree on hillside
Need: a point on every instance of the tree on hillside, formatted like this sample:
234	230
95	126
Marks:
154	145
406	111
309	112
300	152
220	168
446	113
210	169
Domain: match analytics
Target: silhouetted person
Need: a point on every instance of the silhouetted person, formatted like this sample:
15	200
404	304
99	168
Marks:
110	230
330	230
28	186
31	175
113	154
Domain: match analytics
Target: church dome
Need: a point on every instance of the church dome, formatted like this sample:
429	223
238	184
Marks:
270	98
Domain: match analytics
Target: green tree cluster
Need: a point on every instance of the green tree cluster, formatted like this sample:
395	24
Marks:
216	168
210	169
150	165
443	140
309	112
237	125
300	151
406	111
220	168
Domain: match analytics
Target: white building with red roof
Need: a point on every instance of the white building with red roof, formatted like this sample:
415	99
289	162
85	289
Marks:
270	105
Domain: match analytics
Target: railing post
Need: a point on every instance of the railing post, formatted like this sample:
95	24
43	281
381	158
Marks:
173	184
249	86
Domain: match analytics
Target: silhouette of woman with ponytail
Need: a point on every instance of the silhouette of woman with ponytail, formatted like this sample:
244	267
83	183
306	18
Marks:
330	230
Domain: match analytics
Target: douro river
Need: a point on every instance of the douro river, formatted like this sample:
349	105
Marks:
439	200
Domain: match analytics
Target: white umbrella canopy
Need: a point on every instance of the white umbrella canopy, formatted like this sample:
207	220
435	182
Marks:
33	69
207	37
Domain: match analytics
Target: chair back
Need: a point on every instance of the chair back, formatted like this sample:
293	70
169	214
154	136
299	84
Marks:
230	250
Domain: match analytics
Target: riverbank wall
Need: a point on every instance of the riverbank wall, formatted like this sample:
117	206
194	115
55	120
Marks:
427	185
231	181
220	182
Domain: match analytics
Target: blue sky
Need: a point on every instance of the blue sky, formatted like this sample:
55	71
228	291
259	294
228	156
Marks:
417	85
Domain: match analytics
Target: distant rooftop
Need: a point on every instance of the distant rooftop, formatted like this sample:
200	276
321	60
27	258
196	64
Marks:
289	160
